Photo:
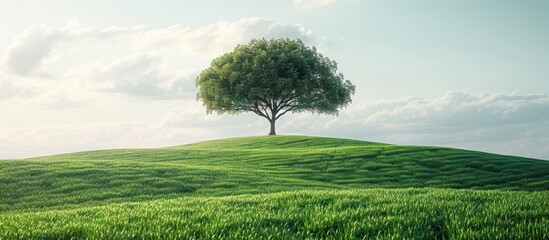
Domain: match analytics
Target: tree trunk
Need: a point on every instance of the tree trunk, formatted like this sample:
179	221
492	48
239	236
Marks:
273	132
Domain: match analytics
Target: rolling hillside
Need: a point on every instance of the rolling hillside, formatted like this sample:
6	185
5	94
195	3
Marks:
162	184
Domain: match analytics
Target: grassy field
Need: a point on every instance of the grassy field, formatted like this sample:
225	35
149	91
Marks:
275	187
336	214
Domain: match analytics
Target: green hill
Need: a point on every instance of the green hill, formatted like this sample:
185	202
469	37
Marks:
146	183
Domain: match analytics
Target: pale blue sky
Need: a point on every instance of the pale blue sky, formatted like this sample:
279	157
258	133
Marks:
111	72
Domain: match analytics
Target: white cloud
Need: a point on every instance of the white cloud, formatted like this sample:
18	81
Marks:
6	90
316	3
139	76
38	43
30	48
222	36
66	66
458	109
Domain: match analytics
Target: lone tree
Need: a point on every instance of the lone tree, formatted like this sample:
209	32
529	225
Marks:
272	78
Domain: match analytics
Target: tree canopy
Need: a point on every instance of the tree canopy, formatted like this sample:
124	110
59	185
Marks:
271	78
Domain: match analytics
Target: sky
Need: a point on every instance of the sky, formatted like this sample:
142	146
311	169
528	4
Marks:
87	75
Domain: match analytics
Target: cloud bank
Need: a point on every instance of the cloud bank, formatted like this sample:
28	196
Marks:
135	62
506	123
